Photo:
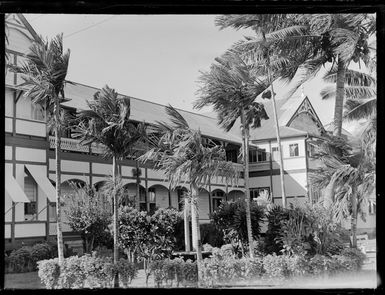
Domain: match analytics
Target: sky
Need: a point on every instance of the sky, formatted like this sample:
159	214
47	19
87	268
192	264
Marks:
152	57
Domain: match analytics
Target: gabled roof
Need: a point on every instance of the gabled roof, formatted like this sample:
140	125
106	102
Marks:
268	130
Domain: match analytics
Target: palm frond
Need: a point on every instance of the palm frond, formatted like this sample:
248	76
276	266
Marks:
359	109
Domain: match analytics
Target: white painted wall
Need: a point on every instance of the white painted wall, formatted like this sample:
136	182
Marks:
8	153
8	125
19	39
261	181
29	154
151	173
75	166
7	231
99	168
31	128
29	230
9	101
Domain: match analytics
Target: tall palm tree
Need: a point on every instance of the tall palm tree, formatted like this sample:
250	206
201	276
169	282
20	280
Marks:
44	73
178	151
231	88
274	54
107	122
353	174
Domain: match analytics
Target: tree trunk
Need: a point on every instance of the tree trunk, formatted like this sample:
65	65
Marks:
60	250
186	225
340	95
354	220
137	200
115	221
281	168
195	225
245	143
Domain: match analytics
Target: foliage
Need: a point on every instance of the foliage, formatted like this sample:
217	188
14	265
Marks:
356	255
89	213
211	235
275	218
226	269
309	229
20	260
84	272
148	236
230	218
174	271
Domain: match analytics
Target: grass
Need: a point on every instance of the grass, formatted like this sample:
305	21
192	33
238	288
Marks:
26	280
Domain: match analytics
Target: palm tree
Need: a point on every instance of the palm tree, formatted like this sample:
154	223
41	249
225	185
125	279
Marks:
353	174
178	151
44	73
274	54
107	122
231	88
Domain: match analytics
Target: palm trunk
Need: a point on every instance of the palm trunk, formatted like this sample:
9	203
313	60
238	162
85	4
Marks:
354	220
245	142
281	168
195	225
340	95
186	225
60	250
115	221
137	201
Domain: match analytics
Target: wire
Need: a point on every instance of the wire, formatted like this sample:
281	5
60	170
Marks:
91	26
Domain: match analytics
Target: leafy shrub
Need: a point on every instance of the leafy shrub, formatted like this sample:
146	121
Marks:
275	217
279	267
40	252
49	272
354	254
127	271
230	218
84	272
20	260
211	235
220	269
173	271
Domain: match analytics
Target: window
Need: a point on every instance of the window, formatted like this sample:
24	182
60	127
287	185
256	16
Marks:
257	156
275	153
254	192
30	189
152	200
293	149
216	199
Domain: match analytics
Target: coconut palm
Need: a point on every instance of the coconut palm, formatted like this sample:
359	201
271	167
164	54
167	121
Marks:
361	103
273	53
107	122
231	89
353	174
44	72
178	151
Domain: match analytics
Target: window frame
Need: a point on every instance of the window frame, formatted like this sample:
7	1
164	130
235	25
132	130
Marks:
295	149
34	216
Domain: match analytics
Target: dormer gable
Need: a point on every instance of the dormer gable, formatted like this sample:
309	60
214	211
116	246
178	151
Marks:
305	118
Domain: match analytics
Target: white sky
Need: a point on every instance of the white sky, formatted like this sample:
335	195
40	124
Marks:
152	57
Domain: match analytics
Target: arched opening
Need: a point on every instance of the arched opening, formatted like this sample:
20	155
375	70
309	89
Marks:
157	197
235	195
217	197
130	195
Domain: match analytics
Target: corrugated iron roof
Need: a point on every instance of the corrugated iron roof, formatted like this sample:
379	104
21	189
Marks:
140	110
